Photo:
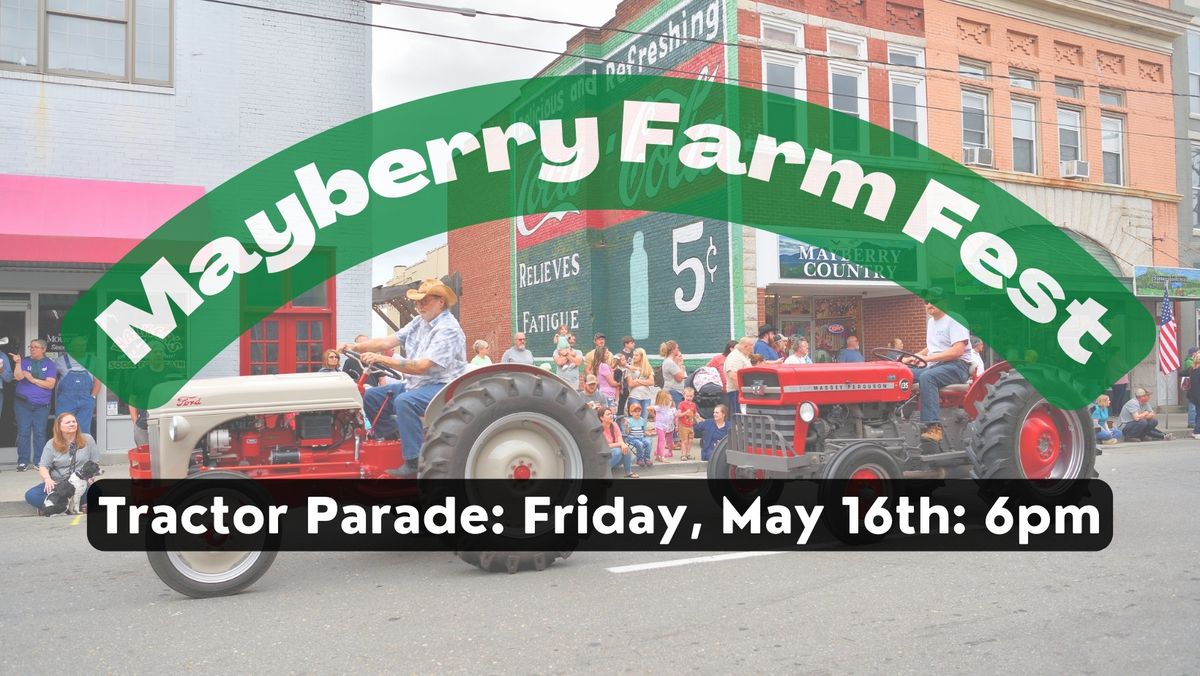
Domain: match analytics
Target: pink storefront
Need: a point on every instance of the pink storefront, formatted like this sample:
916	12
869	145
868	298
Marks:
57	237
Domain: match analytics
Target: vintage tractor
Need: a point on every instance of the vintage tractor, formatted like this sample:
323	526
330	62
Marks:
500	422
860	422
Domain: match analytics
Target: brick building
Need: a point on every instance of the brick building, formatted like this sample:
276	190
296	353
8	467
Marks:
1037	94
1069	107
112	124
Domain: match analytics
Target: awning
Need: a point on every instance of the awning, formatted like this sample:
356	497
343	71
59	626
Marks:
75	220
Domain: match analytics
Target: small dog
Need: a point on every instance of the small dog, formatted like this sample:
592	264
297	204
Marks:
66	494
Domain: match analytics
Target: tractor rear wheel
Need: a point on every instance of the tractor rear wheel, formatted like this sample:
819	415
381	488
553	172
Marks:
213	571
514	426
1019	435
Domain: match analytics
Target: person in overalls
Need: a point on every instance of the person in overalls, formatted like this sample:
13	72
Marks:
76	391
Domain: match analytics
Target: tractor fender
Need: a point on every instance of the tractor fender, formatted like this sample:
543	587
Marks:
979	388
439	402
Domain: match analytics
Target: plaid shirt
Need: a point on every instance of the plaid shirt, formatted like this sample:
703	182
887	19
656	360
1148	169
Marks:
441	341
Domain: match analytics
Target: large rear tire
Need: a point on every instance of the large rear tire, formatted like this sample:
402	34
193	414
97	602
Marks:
215	572
1019	435
515	426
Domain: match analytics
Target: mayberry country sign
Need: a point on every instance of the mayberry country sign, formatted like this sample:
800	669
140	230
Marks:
401	174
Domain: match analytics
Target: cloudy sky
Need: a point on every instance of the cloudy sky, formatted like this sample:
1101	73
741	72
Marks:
408	67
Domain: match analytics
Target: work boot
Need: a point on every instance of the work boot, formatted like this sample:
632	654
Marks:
933	433
406	471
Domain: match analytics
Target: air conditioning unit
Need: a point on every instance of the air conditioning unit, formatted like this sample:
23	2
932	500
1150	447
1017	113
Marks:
1075	169
977	157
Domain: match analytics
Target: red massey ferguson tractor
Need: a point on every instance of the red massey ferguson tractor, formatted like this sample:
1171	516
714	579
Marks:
505	421
860	422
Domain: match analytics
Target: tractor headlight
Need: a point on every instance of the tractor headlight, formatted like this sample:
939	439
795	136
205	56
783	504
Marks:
179	428
808	411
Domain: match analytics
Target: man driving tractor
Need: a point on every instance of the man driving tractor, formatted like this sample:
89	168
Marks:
435	346
947	357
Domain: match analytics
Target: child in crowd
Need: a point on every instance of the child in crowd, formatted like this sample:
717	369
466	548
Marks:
687	417
1106	431
561	339
635	435
712	431
664	424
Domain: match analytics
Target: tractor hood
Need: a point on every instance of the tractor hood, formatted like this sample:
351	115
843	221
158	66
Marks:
248	395
831	383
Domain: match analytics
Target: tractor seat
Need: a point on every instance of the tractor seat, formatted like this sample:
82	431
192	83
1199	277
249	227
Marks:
952	395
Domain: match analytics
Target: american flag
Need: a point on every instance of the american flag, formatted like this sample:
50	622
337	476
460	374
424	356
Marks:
1168	338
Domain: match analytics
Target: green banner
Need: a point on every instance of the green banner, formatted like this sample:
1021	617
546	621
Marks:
649	144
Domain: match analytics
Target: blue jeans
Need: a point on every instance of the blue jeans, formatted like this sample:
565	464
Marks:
31	430
1103	434
1191	414
622	458
930	378
82	406
640	447
36	496
1136	429
410	406
385	427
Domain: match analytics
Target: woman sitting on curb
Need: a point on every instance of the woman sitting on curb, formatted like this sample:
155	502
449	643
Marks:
66	451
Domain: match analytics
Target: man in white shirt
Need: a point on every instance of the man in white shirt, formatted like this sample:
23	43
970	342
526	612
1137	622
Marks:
738	359
948	356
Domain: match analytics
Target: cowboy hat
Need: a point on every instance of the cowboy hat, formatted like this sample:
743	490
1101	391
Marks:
433	287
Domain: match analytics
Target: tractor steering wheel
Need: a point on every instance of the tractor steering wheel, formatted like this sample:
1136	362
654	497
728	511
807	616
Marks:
373	368
892	354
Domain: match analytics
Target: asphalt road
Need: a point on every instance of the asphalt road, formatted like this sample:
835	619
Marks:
1133	608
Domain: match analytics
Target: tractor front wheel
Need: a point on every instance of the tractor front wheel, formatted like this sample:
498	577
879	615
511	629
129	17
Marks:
211	570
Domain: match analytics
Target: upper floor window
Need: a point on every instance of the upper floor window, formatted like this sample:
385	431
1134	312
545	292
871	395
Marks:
906	56
848	46
975	119
122	40
1022	79
973	69
1194	72
1112	142
1068	89
1070	132
1112	97
780	33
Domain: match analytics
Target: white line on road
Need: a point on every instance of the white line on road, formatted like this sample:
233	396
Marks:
687	562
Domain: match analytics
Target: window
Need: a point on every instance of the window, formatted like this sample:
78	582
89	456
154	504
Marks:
1193	72
1070	141
906	56
908	107
972	69
848	46
1024	136
1112	145
1196	187
783	75
124	40
291	339
974	119
1022	79
847	94
1112	97
1067	88
777	33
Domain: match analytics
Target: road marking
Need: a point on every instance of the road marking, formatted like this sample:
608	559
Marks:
633	568
75	522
